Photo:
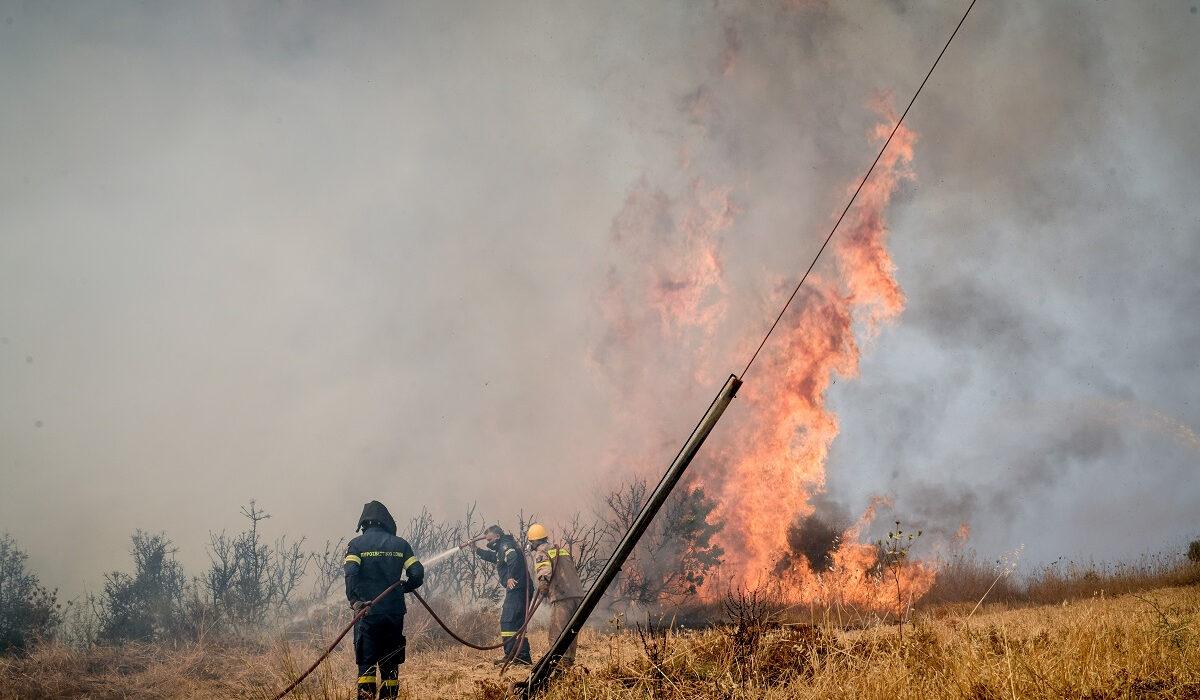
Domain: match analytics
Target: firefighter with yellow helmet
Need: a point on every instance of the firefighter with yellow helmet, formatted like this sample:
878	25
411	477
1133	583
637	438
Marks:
557	579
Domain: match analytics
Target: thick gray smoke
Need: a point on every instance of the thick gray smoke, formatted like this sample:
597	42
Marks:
319	256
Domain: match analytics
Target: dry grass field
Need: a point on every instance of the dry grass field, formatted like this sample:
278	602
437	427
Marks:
1133	644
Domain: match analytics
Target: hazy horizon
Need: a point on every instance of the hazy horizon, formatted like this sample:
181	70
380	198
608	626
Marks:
317	256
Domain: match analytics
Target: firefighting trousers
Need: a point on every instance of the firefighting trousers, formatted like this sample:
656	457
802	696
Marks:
379	641
512	617
560	614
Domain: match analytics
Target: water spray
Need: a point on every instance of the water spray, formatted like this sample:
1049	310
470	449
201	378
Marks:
427	563
444	555
334	597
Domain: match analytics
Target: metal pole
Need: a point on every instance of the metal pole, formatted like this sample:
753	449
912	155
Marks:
544	669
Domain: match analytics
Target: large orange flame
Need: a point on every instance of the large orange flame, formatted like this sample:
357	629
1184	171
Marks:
765	471
776	461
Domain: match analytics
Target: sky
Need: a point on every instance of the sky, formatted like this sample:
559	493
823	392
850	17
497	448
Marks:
316	254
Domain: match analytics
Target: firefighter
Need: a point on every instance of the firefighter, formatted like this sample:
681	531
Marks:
558	580
502	550
375	560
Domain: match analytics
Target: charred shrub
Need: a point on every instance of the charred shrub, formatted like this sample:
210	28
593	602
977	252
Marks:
749	618
655	641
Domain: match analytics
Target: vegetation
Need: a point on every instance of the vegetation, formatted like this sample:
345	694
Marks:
674	556
28	611
245	627
255	584
893	555
1144	644
148	605
248	580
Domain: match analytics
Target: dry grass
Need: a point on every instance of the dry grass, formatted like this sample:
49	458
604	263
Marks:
1071	580
1144	644
1141	645
962	577
133	672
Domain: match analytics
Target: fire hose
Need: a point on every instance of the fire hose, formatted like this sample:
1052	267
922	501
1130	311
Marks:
362	611
537	599
530	608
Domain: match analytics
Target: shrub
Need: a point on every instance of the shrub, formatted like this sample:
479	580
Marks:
675	554
250	581
28	611
148	605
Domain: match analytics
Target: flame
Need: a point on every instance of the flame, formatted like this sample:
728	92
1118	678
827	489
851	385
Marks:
673	294
776	461
669	305
857	577
769	470
685	289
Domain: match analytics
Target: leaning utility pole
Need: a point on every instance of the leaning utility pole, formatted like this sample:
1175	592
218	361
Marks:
545	667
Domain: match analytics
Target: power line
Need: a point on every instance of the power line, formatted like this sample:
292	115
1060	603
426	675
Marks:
855	195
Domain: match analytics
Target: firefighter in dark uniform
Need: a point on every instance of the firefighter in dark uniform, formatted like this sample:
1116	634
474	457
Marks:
514	576
375	560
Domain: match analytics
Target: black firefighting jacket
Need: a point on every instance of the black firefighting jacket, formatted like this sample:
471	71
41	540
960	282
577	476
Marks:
509	561
375	560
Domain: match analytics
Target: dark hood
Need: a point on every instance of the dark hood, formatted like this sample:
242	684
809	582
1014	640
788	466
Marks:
504	539
377	512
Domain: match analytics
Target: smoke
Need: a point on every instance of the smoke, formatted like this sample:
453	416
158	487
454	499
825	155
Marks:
816	538
1006	277
432	257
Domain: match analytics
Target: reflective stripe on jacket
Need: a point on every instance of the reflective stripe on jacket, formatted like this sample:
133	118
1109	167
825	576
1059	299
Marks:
553	565
509	561
376	560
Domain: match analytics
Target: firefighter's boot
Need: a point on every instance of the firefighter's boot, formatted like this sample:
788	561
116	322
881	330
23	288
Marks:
366	686
390	687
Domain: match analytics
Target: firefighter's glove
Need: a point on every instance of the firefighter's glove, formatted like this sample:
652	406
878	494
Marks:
358	605
409	585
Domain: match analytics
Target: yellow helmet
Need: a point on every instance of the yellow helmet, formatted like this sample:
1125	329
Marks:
537	532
